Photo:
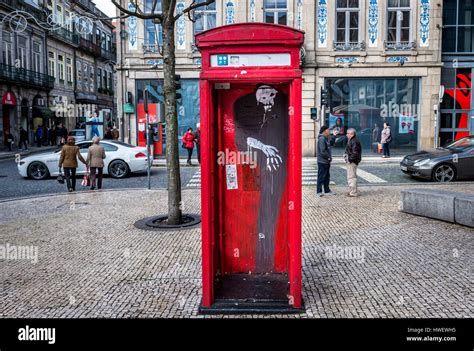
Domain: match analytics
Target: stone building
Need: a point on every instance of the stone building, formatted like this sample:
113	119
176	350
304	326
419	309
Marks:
377	60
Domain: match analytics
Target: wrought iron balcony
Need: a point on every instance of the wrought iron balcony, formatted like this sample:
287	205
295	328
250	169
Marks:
90	47
108	55
152	48
27	77
349	46
399	46
65	35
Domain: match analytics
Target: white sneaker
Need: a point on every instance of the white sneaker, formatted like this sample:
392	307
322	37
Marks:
331	193
319	194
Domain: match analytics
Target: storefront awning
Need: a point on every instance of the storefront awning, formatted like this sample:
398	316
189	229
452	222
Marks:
44	112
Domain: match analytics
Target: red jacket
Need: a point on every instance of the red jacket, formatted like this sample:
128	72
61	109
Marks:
188	140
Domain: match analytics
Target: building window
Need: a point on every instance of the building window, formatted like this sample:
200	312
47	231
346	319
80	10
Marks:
61	68
69	74
7	48
398	25
365	104
458	26
104	79
109	83
79	74
205	18
456	105
52	63
22	52
68	20
276	11
37	53
103	41
59	15
99	79
347	25
109	43
153	31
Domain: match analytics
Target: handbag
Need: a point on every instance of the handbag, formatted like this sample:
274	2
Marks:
183	145
86	180
60	178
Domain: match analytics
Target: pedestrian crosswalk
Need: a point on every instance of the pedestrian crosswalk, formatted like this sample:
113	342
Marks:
309	177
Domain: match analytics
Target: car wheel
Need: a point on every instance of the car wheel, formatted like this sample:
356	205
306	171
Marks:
118	169
38	171
444	173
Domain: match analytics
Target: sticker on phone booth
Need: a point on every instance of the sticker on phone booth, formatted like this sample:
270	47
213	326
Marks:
231	177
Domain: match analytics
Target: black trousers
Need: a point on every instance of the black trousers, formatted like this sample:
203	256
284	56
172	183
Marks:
190	154
198	150
23	143
100	171
323	178
386	149
70	174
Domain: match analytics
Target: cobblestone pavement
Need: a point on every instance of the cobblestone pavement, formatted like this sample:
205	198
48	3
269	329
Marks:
93	262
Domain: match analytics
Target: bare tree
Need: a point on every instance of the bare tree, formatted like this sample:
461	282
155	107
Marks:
167	18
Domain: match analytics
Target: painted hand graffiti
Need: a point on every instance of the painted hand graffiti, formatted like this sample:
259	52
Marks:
273	158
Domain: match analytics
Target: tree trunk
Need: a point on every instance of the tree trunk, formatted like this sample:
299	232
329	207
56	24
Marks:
172	149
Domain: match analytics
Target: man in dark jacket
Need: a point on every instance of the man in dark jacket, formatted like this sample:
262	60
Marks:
352	157
324	162
23	145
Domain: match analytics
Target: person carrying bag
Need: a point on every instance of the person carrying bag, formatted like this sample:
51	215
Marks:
69	155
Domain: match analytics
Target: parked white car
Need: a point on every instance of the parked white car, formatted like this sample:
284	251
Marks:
121	160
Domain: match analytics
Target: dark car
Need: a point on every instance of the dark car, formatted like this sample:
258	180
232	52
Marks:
454	161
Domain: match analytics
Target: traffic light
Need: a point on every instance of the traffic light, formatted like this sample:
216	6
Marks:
177	79
324	97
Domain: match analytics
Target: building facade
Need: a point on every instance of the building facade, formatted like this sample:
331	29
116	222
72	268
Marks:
378	60
58	65
456	118
25	83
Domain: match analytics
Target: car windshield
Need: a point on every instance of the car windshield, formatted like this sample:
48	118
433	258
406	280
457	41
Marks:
461	144
121	143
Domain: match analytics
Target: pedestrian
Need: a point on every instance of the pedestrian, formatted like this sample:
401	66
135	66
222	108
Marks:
52	137
95	162
352	156
108	134
375	134
188	143
386	139
324	161
69	155
10	139
197	139
63	134
23	145
39	135
46	134
115	134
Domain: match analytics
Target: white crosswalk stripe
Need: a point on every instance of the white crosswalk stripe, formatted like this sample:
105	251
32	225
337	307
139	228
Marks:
309	177
369	177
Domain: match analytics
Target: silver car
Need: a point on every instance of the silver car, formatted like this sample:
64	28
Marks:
454	161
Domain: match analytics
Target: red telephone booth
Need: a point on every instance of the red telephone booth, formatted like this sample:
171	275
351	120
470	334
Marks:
251	91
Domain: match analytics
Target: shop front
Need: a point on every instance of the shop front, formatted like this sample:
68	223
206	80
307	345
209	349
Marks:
365	104
188	110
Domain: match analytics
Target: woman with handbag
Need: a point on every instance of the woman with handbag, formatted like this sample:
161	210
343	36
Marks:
68	159
95	160
188	143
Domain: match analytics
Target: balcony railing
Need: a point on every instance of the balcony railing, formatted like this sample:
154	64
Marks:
31	78
399	46
65	35
349	46
108	55
152	48
90	47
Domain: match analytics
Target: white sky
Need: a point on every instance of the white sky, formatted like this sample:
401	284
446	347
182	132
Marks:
106	7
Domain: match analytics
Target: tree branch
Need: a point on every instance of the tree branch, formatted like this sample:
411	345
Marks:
194	5
138	12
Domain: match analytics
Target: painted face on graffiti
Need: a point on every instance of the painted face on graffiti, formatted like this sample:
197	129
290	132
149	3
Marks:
266	96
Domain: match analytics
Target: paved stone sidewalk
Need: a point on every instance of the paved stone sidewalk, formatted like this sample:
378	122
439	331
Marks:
94	263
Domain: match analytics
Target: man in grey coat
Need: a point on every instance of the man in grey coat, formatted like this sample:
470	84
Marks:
324	162
95	161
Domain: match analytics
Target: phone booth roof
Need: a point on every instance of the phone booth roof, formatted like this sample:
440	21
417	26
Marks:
261	46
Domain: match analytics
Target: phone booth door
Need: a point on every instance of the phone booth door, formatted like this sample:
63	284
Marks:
254	193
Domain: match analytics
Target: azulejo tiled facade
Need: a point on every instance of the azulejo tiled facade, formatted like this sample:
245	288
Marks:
366	50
